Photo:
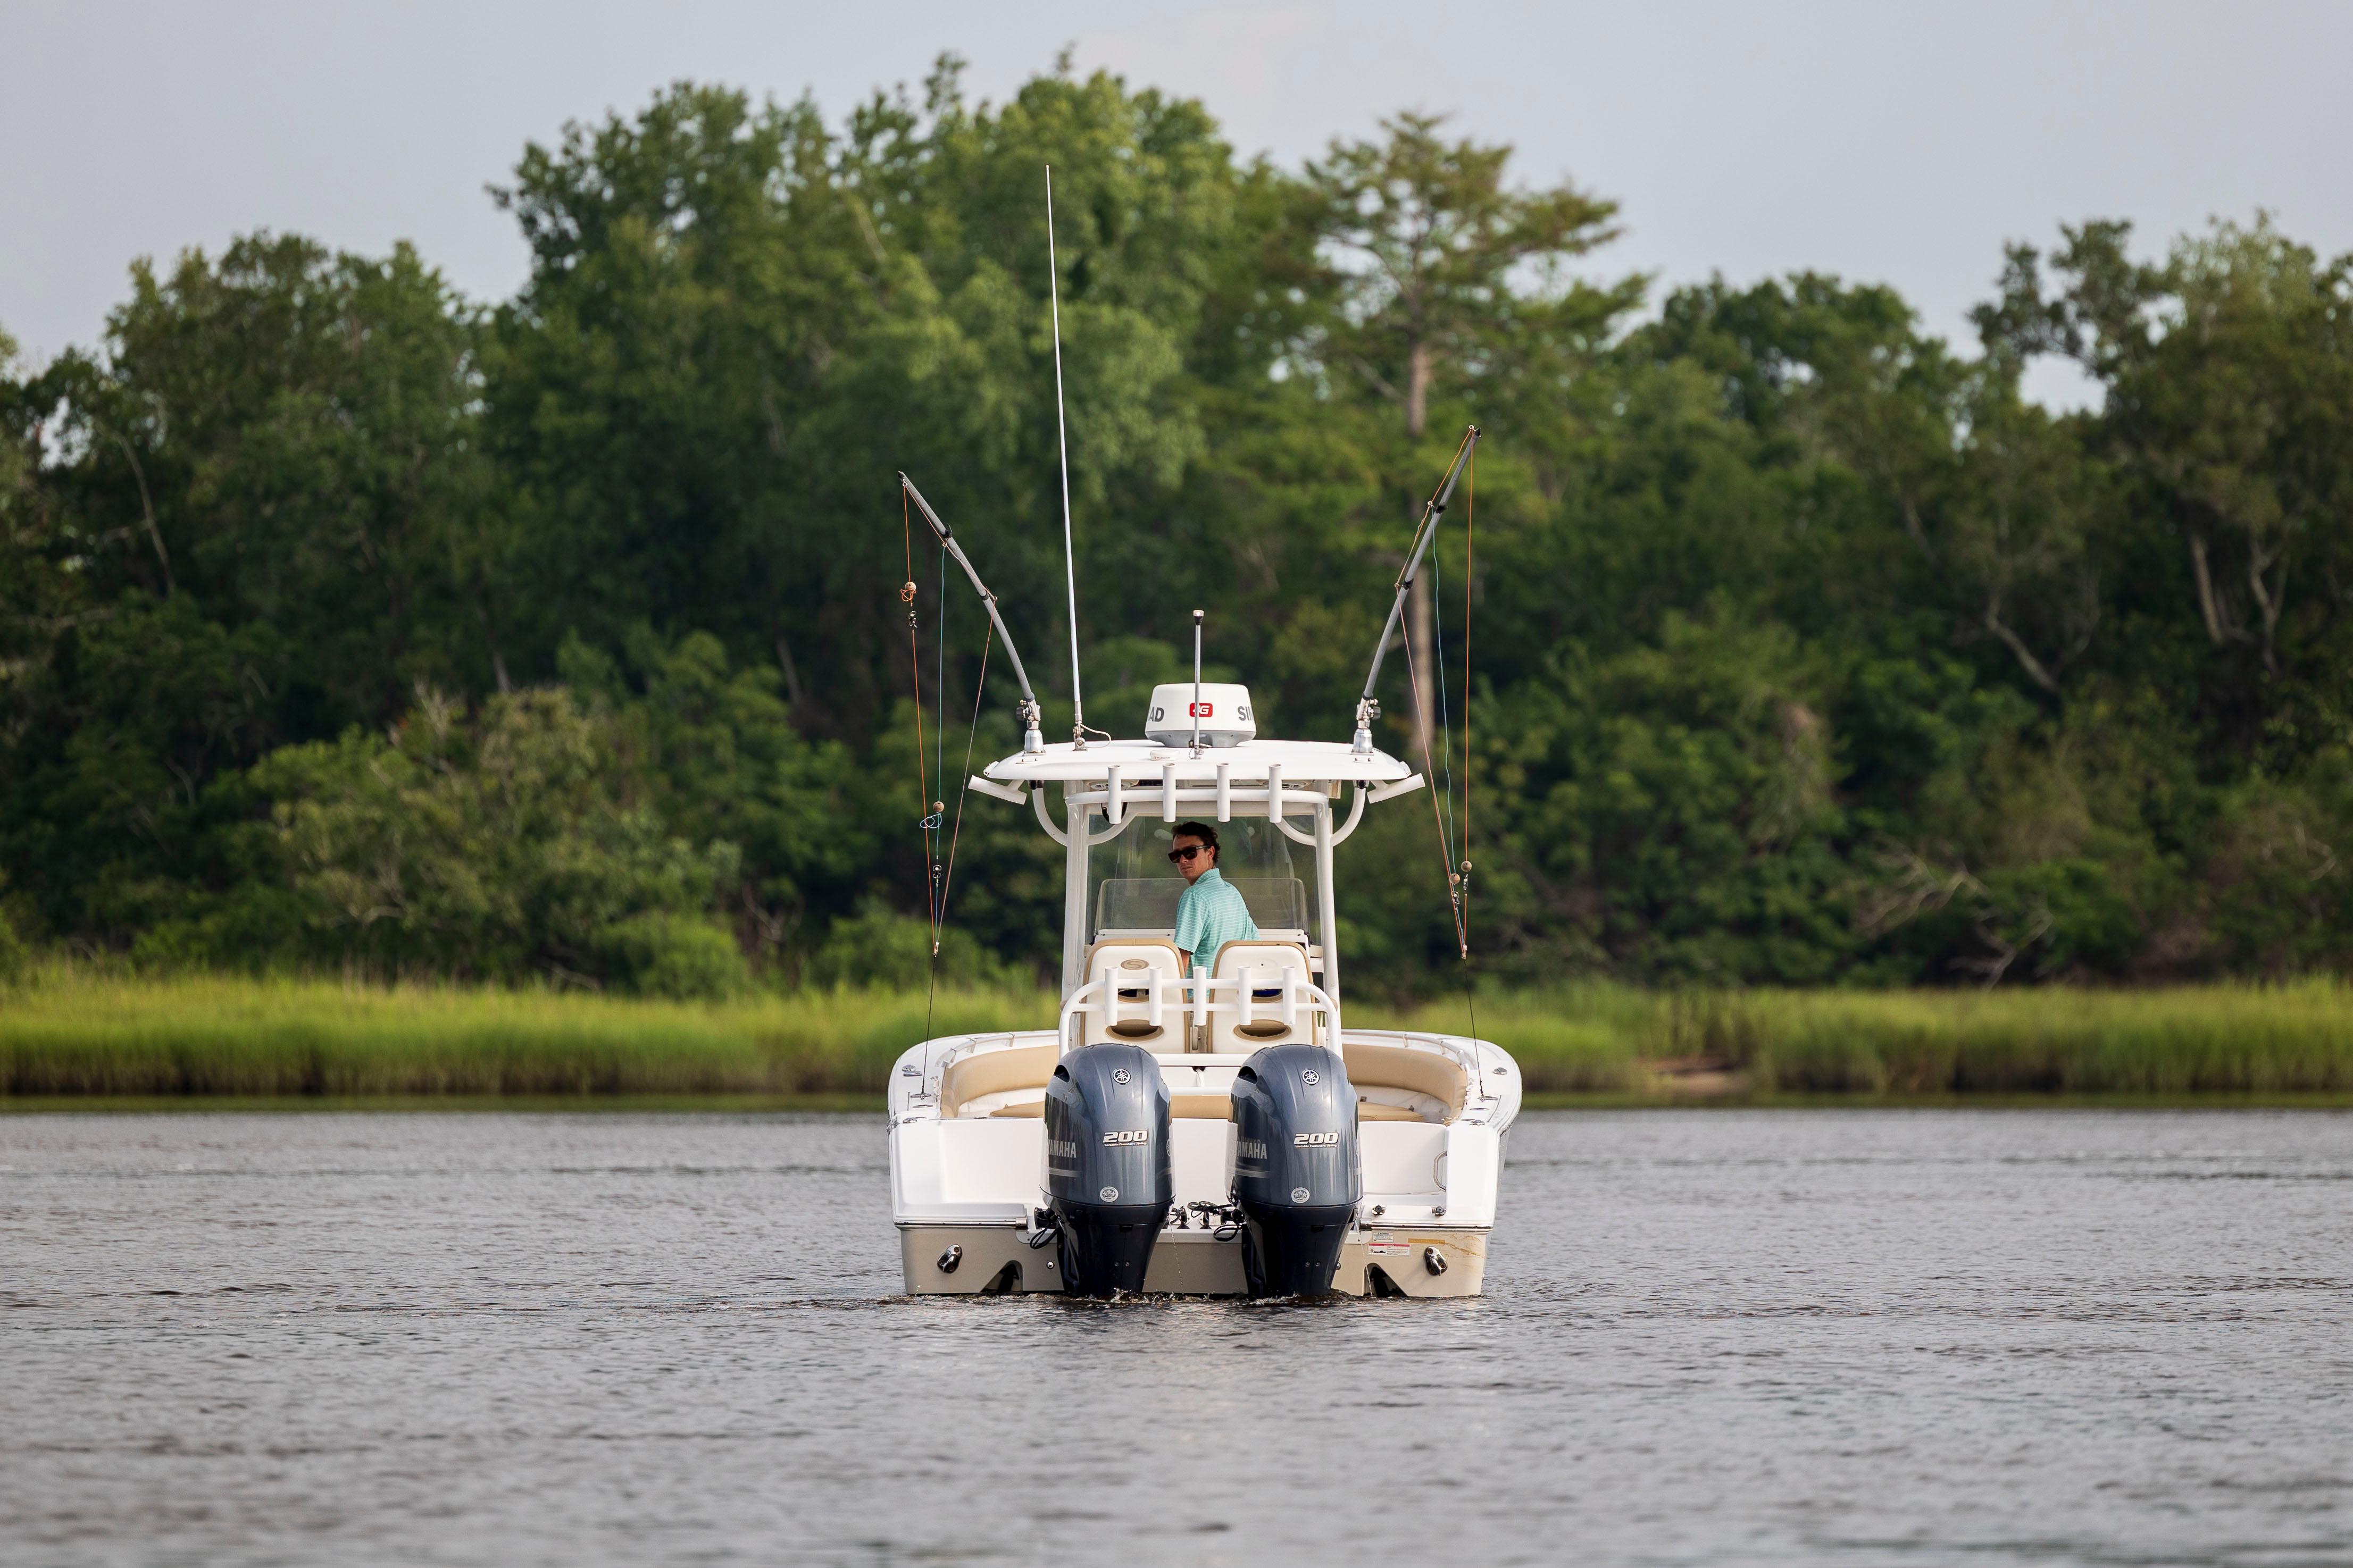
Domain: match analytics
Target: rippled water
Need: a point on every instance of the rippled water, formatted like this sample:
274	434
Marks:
1713	1337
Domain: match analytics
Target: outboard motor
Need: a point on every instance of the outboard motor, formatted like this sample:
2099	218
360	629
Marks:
1297	1177
1107	1166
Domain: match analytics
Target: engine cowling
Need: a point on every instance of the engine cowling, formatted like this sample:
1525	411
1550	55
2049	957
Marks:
1298	1177
1107	1176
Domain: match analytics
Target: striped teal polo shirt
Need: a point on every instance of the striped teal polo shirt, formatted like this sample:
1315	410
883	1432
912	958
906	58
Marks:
1211	912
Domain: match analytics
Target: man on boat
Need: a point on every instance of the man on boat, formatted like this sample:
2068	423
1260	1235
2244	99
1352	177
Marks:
1211	912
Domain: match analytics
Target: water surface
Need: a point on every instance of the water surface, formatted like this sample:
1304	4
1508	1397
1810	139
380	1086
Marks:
1846	1337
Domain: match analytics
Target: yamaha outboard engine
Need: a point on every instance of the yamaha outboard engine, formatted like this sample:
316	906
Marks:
1297	1177
1107	1166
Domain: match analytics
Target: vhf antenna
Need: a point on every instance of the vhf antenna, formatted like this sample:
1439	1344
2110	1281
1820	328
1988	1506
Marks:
1062	440
1031	742
1369	707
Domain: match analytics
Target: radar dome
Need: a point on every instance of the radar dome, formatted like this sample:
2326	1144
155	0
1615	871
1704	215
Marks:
1225	714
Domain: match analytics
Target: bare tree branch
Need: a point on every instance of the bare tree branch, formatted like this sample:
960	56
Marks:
2016	646
147	506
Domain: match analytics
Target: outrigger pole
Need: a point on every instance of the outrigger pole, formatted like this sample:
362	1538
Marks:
1369	707
1032	743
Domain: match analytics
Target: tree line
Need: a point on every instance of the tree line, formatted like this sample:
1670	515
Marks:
348	622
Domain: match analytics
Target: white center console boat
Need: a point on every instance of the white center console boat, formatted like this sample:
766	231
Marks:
1226	1135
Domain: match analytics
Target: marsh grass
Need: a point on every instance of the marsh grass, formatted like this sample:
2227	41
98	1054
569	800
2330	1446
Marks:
75	1032
1583	1039
2223	1040
2217	1040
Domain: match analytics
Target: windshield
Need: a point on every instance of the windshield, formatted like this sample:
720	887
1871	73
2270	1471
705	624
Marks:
1133	889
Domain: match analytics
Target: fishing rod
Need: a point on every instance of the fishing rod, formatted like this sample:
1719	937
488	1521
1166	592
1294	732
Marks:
1369	707
1032	743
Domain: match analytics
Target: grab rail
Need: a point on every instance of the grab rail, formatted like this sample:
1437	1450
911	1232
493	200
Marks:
1200	998
1171	799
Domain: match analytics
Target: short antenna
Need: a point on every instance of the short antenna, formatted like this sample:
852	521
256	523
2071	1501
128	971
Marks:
1197	683
1062	440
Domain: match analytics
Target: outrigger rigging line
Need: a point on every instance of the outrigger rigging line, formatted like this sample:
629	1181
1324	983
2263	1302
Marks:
1369	707
1032	741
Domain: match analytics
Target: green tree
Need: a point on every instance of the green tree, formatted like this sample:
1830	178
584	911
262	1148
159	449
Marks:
1447	280
714	753
242	530
1672	811
739	324
2228	374
499	849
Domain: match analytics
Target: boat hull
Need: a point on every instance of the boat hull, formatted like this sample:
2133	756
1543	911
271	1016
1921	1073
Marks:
968	1147
973	1260
996	1260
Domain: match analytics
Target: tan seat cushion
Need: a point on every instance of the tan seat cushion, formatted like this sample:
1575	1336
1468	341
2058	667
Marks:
1374	1110
1394	1066
1232	955
1156	946
1202	1107
995	1072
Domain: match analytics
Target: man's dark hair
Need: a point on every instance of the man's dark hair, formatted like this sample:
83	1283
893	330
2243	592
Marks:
1200	830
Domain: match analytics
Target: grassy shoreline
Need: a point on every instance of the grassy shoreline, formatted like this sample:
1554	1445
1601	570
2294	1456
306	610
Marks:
70	1035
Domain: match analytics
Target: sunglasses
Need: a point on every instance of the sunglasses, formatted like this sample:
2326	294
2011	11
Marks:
1187	852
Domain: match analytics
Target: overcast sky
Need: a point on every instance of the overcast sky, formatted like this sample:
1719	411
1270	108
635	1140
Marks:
1896	143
